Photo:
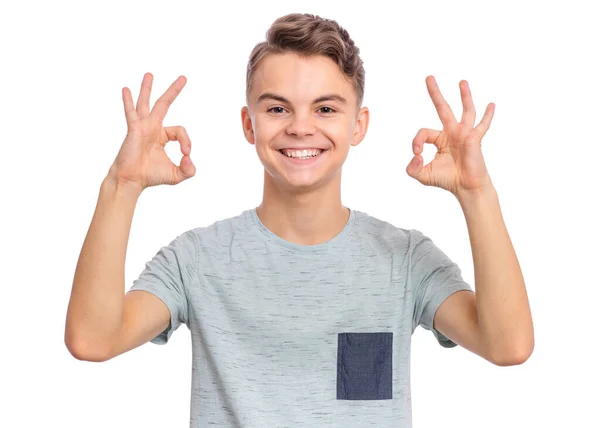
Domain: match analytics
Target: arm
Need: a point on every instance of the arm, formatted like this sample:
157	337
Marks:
496	321
101	321
97	309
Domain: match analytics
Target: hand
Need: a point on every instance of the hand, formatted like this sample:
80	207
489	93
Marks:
142	161
458	165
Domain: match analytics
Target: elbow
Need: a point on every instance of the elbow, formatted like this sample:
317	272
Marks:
80	351
516	356
513	349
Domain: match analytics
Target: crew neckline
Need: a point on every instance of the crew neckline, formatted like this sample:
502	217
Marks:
276	239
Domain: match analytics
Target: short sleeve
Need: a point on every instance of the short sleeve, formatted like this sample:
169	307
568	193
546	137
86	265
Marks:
433	278
167	276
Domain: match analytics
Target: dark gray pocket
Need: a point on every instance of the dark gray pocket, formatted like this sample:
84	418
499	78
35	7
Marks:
364	366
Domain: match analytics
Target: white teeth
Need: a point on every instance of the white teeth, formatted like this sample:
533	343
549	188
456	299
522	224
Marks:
301	153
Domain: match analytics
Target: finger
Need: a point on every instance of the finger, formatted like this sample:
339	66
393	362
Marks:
178	133
423	136
143	102
185	170
181	172
416	170
486	120
164	102
444	112
468	115
130	114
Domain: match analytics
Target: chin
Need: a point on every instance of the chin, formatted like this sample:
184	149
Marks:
303	183
302	187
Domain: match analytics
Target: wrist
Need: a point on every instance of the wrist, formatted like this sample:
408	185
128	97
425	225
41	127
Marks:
473	197
113	184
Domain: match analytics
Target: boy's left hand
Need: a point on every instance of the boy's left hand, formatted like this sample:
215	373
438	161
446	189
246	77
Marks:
458	165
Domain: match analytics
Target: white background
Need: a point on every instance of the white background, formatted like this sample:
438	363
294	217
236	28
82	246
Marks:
62	122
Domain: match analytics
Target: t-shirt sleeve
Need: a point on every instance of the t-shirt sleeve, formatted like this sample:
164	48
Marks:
168	276
433	278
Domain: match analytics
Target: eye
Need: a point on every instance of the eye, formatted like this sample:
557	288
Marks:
279	110
329	110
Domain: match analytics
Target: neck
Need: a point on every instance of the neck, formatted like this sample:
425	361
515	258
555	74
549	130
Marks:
308	218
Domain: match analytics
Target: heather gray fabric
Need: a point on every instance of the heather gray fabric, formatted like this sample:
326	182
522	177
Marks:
285	335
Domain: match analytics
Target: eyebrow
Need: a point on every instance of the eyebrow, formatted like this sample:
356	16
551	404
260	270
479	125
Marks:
328	97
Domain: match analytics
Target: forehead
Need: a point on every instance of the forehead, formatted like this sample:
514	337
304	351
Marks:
300	78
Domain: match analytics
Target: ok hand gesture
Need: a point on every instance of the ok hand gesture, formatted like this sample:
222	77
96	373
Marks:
142	161
458	165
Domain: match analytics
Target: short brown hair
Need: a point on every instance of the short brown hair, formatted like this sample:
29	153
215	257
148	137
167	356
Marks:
308	35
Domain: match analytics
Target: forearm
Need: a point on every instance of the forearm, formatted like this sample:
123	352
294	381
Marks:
95	308
504	315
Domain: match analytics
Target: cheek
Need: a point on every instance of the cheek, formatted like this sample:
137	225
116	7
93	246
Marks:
340	133
265	131
264	135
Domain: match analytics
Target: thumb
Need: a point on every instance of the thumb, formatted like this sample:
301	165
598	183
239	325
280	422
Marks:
185	170
415	170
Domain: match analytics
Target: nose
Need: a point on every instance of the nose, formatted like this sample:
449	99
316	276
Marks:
301	124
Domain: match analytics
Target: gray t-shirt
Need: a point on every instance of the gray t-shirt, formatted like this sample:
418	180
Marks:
286	335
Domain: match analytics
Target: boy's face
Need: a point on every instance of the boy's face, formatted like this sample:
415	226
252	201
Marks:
299	104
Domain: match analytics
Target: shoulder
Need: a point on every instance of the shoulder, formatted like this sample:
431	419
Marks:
211	240
385	236
220	233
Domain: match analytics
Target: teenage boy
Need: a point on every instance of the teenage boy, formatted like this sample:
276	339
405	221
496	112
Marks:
301	310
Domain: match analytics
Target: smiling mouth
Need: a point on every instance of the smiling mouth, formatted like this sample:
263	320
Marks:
301	154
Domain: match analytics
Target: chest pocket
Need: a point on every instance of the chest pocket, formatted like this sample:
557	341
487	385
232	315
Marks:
364	366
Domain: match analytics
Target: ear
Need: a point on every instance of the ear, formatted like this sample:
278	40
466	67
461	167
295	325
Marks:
247	125
360	129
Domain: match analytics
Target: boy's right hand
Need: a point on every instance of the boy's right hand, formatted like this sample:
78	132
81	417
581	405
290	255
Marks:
142	161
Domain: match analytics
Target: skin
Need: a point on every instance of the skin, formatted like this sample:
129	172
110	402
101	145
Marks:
300	204
303	204
495	322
